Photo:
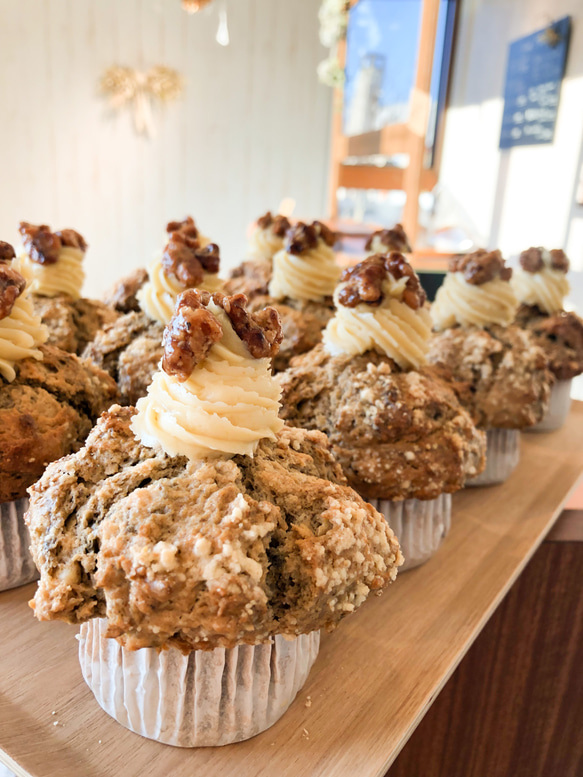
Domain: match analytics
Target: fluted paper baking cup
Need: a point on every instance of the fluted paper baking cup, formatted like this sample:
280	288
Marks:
420	526
16	564
205	698
502	455
559	406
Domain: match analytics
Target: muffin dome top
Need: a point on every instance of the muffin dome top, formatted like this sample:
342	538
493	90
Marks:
204	553
397	434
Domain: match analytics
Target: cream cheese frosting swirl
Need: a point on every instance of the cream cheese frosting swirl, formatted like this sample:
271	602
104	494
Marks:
65	276
21	331
52	262
544	287
226	405
476	292
305	269
268	237
158	295
380	307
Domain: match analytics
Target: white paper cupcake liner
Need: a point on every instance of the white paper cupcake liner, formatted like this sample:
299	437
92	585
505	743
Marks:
202	699
420	526
16	564
559	406
502	456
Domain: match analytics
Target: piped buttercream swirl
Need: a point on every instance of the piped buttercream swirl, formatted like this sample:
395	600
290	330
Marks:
227	405
264	244
393	328
21	334
158	295
65	276
309	276
468	304
546	288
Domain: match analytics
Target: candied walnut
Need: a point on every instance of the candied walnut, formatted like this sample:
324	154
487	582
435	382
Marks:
364	282
186	227
394	239
531	260
122	296
327	235
481	266
304	237
72	239
261	332
7	253
184	258
12	284
279	225
41	244
189	336
559	260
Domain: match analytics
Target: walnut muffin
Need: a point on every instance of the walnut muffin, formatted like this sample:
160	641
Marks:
396	427
500	371
197	521
301	287
130	348
541	286
53	263
49	401
253	275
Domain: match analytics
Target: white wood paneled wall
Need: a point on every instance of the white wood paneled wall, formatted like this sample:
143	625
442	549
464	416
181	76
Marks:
252	127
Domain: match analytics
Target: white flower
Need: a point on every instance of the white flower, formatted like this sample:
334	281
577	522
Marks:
330	73
333	16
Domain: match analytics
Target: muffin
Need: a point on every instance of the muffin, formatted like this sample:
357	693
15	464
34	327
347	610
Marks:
396	427
541	285
52	262
49	401
252	276
501	372
198	523
385	240
305	274
130	349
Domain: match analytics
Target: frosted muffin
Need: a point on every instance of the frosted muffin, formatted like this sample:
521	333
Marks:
385	240
131	348
402	438
199	523
541	285
305	274
253	275
49	401
502	374
52	262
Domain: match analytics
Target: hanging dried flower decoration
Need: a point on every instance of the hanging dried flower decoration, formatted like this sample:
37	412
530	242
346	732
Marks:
333	17
192	6
127	86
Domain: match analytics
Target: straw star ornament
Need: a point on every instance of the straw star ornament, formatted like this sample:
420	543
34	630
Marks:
127	87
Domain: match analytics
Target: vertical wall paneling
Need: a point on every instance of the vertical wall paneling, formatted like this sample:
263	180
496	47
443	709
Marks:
252	128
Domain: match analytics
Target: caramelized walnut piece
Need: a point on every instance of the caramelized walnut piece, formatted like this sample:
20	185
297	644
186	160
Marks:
41	244
7	253
559	260
481	266
364	282
12	284
186	227
394	239
190	335
187	261
279	225
304	237
261	332
531	260
72	239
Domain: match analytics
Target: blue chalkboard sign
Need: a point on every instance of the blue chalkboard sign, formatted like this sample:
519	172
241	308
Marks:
536	65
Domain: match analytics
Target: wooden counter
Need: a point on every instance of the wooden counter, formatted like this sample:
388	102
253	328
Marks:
373	682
